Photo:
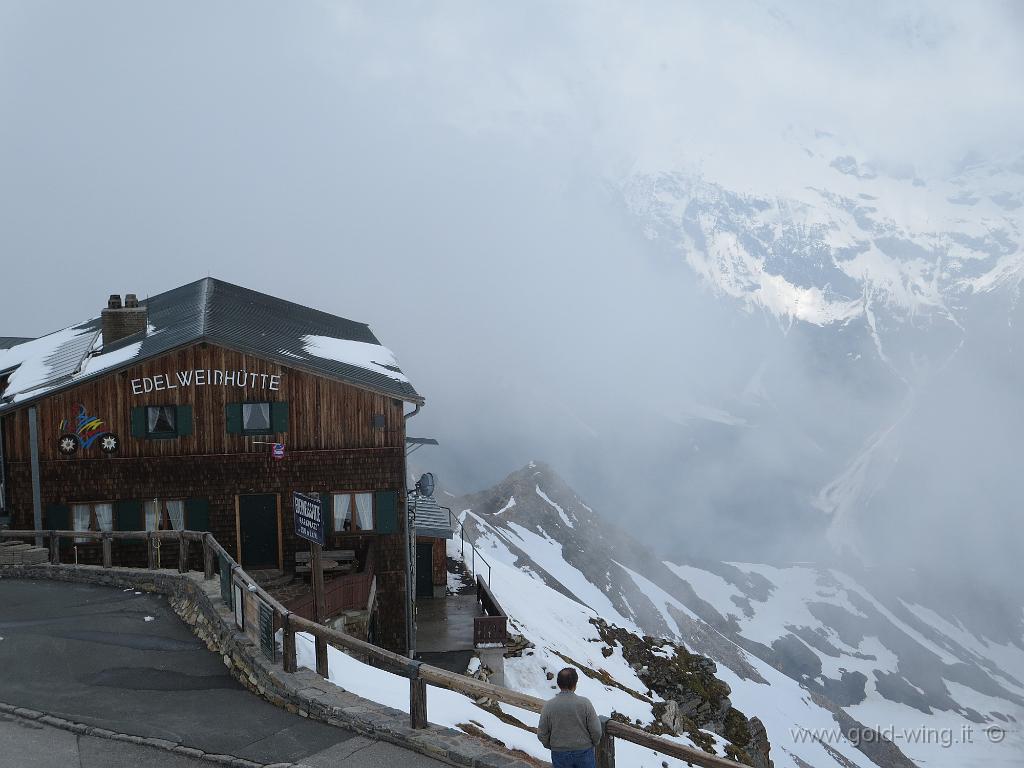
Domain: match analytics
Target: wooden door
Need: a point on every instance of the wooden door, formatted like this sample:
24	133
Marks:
424	569
257	525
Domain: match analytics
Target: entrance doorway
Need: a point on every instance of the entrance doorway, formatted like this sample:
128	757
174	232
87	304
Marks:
424	569
257	530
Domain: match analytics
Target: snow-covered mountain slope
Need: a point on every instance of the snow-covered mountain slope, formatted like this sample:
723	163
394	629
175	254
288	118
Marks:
807	650
837	238
896	299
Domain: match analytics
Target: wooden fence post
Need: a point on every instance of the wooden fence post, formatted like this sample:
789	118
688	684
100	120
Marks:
319	607
321	655
150	551
207	557
107	558
289	660
182	553
417	697
605	751
54	548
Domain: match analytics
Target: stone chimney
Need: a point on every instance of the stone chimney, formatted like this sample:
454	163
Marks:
122	321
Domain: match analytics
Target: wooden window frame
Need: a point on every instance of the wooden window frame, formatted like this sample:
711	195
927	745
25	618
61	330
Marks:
93	520
162	435
270	418
162	502
352	501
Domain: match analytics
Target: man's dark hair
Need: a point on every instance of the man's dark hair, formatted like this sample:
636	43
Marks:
567	679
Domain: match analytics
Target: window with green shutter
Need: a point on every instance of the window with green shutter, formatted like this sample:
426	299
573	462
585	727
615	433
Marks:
184	420
197	514
233	418
139	422
160	422
262	418
279	417
128	515
58	517
386	508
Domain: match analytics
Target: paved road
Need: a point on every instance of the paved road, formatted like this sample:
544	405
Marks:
123	661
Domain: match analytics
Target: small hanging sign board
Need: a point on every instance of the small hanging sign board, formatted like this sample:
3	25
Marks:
277	451
309	520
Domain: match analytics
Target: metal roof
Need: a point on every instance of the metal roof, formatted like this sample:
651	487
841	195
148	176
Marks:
6	342
220	313
429	519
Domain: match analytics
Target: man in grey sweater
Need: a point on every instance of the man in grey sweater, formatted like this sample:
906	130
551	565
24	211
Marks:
569	726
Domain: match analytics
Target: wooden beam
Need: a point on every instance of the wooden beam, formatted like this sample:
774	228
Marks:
289	660
182	553
238	531
417	702
207	557
605	752
319	607
478	689
665	747
280	535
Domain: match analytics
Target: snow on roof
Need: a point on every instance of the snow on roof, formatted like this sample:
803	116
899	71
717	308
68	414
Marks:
207	310
372	357
37	363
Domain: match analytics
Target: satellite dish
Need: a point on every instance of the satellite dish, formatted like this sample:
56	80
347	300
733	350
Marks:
425	485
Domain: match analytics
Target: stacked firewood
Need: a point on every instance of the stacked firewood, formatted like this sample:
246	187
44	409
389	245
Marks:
18	553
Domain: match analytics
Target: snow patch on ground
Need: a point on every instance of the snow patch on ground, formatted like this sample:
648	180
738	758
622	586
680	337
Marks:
561	512
710	586
508	505
794	588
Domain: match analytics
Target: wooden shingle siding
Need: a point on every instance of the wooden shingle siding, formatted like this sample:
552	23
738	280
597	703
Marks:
320	413
331	444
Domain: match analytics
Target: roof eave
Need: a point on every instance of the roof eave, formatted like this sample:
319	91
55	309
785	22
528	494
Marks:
6	408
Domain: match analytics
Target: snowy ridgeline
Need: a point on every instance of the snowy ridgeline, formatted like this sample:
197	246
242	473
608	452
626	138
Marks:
842	238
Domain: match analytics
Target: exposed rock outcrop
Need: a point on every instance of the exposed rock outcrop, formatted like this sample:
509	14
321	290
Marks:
695	700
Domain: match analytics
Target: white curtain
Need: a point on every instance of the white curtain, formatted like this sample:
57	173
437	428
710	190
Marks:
104	516
81	515
255	417
176	511
342	512
364	510
152	515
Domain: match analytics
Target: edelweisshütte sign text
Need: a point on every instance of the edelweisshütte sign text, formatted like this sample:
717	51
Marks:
206	377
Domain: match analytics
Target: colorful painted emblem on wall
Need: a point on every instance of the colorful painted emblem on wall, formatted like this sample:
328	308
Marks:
83	431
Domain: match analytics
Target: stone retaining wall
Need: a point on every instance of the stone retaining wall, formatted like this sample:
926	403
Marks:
198	603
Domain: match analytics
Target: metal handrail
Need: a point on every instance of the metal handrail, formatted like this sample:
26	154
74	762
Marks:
418	674
462	538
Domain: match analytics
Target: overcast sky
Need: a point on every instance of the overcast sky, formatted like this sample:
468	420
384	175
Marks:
346	152
449	172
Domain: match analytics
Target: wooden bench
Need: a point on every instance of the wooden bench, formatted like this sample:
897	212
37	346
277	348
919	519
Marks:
333	561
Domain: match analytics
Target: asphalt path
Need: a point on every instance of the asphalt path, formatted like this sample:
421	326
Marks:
122	660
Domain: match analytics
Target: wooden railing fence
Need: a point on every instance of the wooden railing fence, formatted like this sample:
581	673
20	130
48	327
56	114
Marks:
491	629
342	593
419	675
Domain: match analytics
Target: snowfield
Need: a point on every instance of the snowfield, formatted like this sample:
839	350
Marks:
796	644
790	642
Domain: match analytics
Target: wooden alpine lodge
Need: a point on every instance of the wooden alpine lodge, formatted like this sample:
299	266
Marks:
205	408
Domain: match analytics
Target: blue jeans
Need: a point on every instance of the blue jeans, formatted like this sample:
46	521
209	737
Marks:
580	758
